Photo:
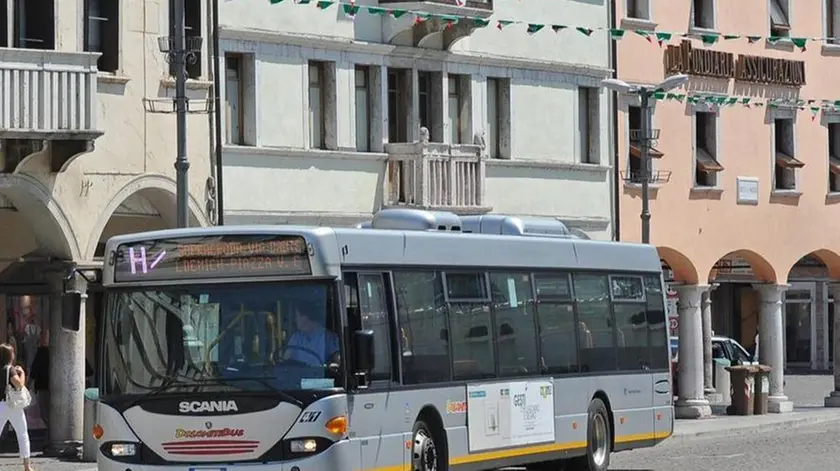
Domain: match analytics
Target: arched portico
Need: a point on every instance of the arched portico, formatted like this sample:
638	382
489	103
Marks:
154	199
762	269
684	270
809	309
46	220
752	290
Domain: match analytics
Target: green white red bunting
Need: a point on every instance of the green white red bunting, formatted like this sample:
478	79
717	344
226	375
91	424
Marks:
351	10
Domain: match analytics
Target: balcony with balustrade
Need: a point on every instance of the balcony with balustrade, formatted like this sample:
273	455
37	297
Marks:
48	106
438	177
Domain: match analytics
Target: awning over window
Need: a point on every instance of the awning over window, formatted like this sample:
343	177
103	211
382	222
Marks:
706	162
778	17
834	165
636	151
786	161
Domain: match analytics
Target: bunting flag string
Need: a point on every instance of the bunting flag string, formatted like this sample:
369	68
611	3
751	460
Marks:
351	10
814	107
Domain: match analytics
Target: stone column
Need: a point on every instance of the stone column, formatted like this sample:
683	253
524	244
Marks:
692	403
708	385
67	375
771	344
833	399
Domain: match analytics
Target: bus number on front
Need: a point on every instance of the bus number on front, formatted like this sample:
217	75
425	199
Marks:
308	417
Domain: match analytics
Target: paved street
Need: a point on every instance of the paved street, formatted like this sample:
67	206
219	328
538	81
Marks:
806	447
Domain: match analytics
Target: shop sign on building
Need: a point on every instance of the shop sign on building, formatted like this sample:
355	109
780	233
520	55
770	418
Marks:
684	59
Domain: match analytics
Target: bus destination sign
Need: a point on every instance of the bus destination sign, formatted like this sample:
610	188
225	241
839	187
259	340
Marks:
212	257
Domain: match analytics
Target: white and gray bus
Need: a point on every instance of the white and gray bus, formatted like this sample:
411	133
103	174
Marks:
419	342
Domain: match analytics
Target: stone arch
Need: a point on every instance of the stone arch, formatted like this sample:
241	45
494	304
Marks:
52	228
830	258
762	269
684	270
161	191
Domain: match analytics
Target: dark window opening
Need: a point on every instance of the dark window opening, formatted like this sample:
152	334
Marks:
34	24
102	32
4	23
398	100
424	85
192	29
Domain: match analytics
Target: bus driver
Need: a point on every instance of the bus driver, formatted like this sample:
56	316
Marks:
311	343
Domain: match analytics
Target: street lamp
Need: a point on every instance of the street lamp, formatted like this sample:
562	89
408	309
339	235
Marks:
181	51
645	94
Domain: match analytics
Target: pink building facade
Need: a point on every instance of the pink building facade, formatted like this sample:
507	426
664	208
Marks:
745	175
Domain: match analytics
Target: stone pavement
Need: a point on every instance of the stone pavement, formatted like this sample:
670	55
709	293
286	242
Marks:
808	447
808	390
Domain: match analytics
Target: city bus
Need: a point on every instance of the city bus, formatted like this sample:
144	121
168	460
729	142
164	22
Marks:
424	341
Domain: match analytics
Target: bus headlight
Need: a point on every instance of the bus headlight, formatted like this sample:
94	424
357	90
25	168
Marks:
307	445
123	449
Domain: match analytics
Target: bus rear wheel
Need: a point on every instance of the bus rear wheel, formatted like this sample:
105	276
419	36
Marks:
425	455
597	440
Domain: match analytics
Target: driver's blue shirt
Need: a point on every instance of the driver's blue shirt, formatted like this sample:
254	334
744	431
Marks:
322	342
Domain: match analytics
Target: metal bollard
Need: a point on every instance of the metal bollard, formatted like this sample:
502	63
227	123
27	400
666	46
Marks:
89	444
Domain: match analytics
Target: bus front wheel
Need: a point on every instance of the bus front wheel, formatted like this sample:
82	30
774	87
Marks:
425	455
597	439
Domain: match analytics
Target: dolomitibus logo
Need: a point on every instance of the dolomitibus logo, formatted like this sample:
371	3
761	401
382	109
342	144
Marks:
212	433
187	407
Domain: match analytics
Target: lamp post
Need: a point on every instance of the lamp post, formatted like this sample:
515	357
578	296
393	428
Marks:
181	51
645	94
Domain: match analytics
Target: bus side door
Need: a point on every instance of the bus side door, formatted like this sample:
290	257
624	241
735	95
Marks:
369	307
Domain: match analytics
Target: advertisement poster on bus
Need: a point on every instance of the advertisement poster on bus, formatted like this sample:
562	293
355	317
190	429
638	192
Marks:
510	414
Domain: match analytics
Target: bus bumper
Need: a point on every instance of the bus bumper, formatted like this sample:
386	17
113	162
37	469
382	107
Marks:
338	457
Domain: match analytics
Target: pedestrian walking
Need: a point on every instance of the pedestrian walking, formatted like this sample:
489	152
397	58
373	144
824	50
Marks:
39	376
13	400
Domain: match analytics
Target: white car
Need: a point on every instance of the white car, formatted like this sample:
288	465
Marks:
723	348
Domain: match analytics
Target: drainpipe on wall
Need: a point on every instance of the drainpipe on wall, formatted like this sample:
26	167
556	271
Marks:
616	183
217	108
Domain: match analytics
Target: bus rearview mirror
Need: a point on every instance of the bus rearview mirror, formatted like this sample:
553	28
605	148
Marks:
363	351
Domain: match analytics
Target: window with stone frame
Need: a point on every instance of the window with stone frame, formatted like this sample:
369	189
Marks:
780	18
703	14
832	21
706	164
834	157
785	162
589	135
638	9
497	129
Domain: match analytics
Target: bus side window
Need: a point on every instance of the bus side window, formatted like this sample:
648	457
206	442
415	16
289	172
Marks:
351	300
559	338
424	336
598	353
657	323
471	332
373	313
516	337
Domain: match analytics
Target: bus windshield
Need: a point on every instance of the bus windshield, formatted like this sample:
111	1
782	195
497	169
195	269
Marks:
280	336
